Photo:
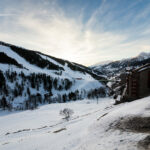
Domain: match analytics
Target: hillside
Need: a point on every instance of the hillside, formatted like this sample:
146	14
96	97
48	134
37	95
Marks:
30	78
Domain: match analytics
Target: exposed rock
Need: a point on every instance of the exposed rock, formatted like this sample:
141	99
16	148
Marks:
144	144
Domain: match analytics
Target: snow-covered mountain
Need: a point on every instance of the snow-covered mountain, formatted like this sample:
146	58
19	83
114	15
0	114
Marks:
29	78
116	67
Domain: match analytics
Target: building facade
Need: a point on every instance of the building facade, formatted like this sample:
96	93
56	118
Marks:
138	83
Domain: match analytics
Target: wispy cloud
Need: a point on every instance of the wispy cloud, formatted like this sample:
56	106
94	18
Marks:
6	15
48	29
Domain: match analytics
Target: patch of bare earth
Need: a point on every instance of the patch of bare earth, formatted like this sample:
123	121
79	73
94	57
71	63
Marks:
133	124
136	124
144	144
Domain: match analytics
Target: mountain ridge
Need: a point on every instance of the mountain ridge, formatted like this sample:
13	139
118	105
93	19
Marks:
120	65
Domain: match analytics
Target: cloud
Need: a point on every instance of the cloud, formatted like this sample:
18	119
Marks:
49	30
5	15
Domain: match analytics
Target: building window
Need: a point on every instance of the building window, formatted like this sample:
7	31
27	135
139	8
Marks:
149	79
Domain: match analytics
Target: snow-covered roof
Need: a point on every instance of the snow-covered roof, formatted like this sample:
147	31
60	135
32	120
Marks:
142	68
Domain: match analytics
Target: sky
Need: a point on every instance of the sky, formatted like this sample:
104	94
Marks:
81	31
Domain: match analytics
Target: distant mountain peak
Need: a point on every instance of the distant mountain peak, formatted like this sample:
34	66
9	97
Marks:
102	63
144	55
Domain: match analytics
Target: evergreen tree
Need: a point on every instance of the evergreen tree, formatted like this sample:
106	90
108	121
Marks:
4	104
2	80
28	91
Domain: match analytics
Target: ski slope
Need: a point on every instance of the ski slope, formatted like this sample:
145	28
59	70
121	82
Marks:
67	73
87	81
89	127
39	126
80	80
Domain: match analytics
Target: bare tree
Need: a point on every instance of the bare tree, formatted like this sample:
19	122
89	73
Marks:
67	113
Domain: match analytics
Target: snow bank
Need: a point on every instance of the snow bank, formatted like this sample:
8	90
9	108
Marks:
104	135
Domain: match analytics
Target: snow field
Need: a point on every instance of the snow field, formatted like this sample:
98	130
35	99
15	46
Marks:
89	127
40	125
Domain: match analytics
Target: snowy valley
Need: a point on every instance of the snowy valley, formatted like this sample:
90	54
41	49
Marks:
35	89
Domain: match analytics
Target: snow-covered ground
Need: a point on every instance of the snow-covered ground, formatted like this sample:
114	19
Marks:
88	129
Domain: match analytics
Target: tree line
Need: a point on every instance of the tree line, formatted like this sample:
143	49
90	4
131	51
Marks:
32	90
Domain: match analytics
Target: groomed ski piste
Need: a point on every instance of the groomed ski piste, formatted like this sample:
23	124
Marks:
93	126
